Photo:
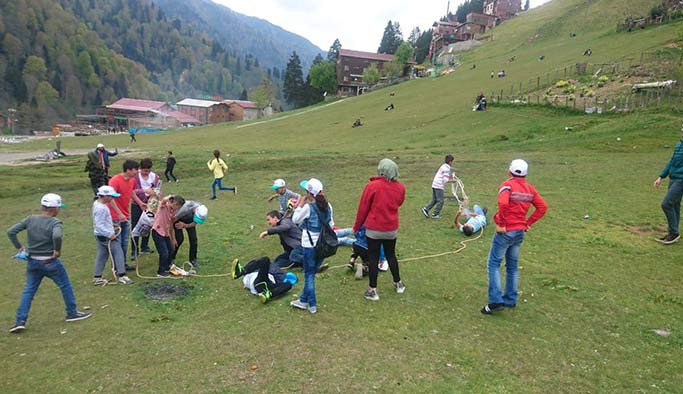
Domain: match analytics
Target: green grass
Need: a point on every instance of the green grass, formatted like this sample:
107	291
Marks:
591	289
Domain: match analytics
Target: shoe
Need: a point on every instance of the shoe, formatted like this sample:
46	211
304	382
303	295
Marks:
400	287
212	198
670	238
352	262
237	269
177	180
129	267
195	264
313	309
371	294
19	327
383	266
486	210
299	305
99	281
425	212
323	267
234	191
133	257
78	316
265	296
436	216
359	271
147	250
177	271
125	280
164	274
489	309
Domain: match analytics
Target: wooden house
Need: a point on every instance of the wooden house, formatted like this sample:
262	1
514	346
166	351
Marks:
206	111
350	68
502	9
241	110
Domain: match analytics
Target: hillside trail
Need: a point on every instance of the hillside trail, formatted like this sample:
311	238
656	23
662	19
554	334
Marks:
288	116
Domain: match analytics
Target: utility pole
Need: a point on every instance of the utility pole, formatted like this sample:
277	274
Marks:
12	113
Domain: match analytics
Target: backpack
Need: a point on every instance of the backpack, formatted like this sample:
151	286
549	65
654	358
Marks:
327	241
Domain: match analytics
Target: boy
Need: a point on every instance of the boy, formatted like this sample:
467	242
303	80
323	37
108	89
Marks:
124	184
170	165
188	217
442	176
262	278
475	220
107	240
515	197
282	194
290	239
44	247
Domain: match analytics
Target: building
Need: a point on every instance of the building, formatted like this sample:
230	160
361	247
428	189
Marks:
241	110
350	68
206	111
468	30
146	114
502	9
488	21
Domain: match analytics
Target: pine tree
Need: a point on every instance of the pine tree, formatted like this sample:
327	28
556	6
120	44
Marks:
333	52
317	60
391	38
293	87
526	5
244	95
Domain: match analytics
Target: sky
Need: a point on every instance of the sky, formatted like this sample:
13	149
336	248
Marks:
358	24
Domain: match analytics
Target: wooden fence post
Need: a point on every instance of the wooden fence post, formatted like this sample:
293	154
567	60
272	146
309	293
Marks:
538	83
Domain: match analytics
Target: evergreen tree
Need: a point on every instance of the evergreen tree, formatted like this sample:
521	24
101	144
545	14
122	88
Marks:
293	87
391	38
333	52
467	7
244	95
317	60
422	46
526	5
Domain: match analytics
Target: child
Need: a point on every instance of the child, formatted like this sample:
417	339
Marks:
475	222
443	175
282	194
290	239
44	247
219	168
360	249
263	278
188	217
108	242
163	234
170	164
147	185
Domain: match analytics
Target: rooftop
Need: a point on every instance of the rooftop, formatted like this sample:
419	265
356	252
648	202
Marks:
135	104
198	103
366	55
242	103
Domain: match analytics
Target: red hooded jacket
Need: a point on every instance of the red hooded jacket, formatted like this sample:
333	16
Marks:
515	196
379	204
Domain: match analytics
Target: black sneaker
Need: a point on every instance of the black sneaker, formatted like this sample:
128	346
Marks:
234	191
195	264
237	269
489	309
164	274
78	316
212	198
147	250
425	212
19	327
129	267
670	238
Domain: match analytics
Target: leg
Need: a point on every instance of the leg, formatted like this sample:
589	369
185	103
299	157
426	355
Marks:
310	267
102	256
118	262
55	271
433	201
160	244
221	187
282	260
167	250
373	261
168	170
124	237
172	175
511	268
478	210
389	246
213	187
296	257
34	275
671	205
439	201
180	238
135	213
192	237
499	245
261	265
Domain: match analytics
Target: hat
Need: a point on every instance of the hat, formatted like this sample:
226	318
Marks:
52	200
200	214
312	186
290	277
100	146
519	167
278	184
107	191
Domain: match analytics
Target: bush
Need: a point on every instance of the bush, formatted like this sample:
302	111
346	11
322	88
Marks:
603	78
569	89
561	84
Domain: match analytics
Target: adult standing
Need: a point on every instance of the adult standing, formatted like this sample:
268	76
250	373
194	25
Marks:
124	184
95	170
103	156
147	184
378	212
671	204
170	165
219	168
515	197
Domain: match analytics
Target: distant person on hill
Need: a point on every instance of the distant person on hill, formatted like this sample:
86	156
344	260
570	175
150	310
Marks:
443	175
131	132
389	107
263	278
357	123
219	168
541	58
671	204
492	74
282	193
587	52
501	74
515	197
170	165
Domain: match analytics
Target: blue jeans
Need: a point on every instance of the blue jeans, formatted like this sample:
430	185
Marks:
311	264
165	250
293	258
124	237
36	270
219	182
504	245
671	205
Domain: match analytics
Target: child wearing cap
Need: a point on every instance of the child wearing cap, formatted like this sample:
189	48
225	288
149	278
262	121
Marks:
188	217
108	242
282	194
43	247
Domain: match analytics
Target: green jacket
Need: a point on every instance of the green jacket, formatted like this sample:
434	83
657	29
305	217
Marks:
674	168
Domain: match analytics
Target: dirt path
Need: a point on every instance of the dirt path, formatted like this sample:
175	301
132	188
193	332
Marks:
29	158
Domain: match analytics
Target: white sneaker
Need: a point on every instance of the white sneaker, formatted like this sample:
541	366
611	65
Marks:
371	294
125	280
177	271
383	266
299	305
400	287
99	281
359	271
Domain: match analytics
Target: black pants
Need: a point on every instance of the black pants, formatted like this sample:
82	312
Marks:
373	258
135	212
360	252
180	238
169	172
262	282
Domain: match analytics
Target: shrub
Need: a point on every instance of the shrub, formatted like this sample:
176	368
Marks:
561	84
603	78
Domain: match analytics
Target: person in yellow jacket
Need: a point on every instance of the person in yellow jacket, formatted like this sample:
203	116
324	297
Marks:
219	168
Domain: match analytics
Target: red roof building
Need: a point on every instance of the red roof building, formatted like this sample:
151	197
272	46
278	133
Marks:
350	68
502	9
127	112
241	110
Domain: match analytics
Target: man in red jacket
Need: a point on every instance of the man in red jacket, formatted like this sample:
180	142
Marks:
515	196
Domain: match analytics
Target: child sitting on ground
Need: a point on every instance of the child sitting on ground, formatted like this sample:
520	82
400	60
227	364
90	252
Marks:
360	249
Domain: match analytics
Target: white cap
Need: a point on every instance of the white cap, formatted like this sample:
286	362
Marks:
51	200
278	183
100	146
200	214
312	186
107	191
519	167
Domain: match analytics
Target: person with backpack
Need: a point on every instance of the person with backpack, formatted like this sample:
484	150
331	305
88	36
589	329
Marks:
378	212
314	215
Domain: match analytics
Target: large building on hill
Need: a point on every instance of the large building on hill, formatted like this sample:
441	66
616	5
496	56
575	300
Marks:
143	114
206	111
350	68
242	110
502	9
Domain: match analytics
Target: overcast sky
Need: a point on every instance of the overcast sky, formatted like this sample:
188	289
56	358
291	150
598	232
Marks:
358	24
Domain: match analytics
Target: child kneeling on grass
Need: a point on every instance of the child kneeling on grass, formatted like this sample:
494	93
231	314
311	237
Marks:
263	278
108	242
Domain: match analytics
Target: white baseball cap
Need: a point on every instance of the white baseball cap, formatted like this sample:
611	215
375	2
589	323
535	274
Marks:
107	191
52	200
312	186
100	146
278	183
519	167
200	214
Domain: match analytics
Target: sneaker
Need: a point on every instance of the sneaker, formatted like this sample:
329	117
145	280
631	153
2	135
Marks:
371	294
177	180
313	309
164	274
400	287
19	327
195	264
265	296
489	309
78	316
383	266
435	216
212	198
147	250
234	191
125	280
133	257
237	269
299	305
359	271
425	212
99	281
352	262
177	271
670	238
129	267
323	267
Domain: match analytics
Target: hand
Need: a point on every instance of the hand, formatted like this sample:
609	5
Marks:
263	234
500	229
180	225
143	206
175	244
271	198
658	182
56	254
113	237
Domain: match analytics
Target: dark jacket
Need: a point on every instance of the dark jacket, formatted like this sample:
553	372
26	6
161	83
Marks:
674	168
289	233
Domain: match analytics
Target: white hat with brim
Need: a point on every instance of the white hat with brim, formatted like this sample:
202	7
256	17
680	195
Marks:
278	183
200	214
519	167
52	200
107	191
313	186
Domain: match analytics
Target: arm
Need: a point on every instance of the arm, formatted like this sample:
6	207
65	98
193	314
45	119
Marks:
283	227
540	209
457	216
272	197
14	230
364	205
137	200
211	164
301	213
116	209
114	153
503	203
57	240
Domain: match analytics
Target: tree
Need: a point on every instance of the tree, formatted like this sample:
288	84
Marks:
404	53
323	76
334	51
317	60
263	94
391	38
414	36
526	5
293	86
371	75
392	69
244	96
422	46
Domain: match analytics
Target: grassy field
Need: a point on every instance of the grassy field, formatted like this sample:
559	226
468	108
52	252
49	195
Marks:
592	290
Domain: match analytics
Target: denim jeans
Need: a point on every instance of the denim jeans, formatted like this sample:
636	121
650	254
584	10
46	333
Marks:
437	201
165	250
671	205
124	237
311	264
504	245
219	182
343	236
293	258
36	270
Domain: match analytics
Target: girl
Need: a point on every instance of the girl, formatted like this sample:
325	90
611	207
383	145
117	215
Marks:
147	184
163	234
218	166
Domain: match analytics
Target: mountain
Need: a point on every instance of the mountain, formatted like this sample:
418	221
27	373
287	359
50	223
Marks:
270	44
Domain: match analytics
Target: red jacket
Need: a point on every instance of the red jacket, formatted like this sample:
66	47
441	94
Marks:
514	198
379	204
